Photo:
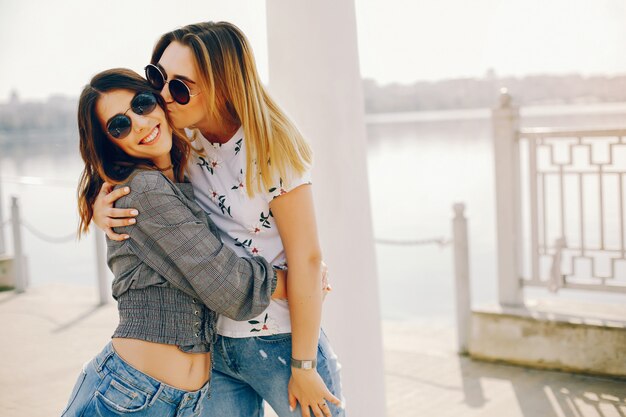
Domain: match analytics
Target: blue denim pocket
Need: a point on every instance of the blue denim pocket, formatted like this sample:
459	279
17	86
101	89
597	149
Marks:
122	398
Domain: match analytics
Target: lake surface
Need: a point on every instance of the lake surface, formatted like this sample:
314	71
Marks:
420	164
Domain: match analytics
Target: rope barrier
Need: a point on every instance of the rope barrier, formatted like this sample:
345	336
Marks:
48	238
440	241
434	241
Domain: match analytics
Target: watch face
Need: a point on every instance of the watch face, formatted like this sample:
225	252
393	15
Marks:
307	365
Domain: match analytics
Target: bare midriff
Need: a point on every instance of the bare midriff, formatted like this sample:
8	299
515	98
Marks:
166	363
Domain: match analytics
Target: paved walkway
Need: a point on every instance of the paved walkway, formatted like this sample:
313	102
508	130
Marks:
47	333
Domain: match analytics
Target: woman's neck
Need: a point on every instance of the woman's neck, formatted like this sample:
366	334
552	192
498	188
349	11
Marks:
218	132
169	173
164	164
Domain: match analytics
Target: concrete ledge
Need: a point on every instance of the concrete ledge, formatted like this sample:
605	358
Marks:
7	276
559	335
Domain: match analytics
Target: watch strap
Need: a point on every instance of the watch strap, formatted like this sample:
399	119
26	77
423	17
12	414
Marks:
303	364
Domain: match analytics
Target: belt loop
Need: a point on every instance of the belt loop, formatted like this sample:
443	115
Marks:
156	395
199	399
105	359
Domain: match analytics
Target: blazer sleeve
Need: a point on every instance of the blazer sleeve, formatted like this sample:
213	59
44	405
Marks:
172	241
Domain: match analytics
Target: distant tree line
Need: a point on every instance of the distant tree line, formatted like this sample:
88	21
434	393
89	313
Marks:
59	113
56	113
481	93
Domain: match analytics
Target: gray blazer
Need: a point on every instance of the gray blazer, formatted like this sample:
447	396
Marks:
174	273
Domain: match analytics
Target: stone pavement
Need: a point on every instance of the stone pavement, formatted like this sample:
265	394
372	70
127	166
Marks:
47	333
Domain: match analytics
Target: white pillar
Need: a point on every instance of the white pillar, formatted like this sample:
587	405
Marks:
314	76
461	275
2	243
505	119
102	271
19	263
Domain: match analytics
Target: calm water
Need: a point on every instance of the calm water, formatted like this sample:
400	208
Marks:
420	164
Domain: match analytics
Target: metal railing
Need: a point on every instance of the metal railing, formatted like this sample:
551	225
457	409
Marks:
560	206
20	276
460	242
586	175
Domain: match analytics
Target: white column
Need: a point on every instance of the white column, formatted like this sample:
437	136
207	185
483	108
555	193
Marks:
19	263
314	75
505	120
102	271
461	275
2	243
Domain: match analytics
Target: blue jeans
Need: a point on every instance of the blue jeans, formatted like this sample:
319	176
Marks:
248	370
108	386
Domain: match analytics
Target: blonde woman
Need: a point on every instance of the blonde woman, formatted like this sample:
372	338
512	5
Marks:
251	172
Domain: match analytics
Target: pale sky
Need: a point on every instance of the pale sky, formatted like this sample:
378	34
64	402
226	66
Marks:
54	47
408	40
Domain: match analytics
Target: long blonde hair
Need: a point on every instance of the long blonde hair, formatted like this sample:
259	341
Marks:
228	75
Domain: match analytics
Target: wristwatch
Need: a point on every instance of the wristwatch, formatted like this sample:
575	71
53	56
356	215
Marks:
306	364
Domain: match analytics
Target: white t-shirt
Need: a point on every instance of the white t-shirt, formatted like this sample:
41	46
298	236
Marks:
246	224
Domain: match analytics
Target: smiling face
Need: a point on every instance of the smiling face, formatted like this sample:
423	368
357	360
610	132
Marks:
150	135
177	62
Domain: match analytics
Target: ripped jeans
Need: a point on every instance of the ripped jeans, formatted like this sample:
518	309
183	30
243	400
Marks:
248	370
108	386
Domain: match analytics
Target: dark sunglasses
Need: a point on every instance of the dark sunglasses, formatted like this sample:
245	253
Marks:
179	91
119	126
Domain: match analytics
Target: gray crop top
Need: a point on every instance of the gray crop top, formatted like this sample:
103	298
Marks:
174	274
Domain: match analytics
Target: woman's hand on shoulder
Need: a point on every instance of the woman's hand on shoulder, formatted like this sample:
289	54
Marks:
106	217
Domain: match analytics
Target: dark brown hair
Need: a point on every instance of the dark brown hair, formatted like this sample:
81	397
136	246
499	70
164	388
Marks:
104	160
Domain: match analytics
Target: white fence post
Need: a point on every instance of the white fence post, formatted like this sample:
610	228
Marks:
2	243
461	274
505	119
19	264
102	272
